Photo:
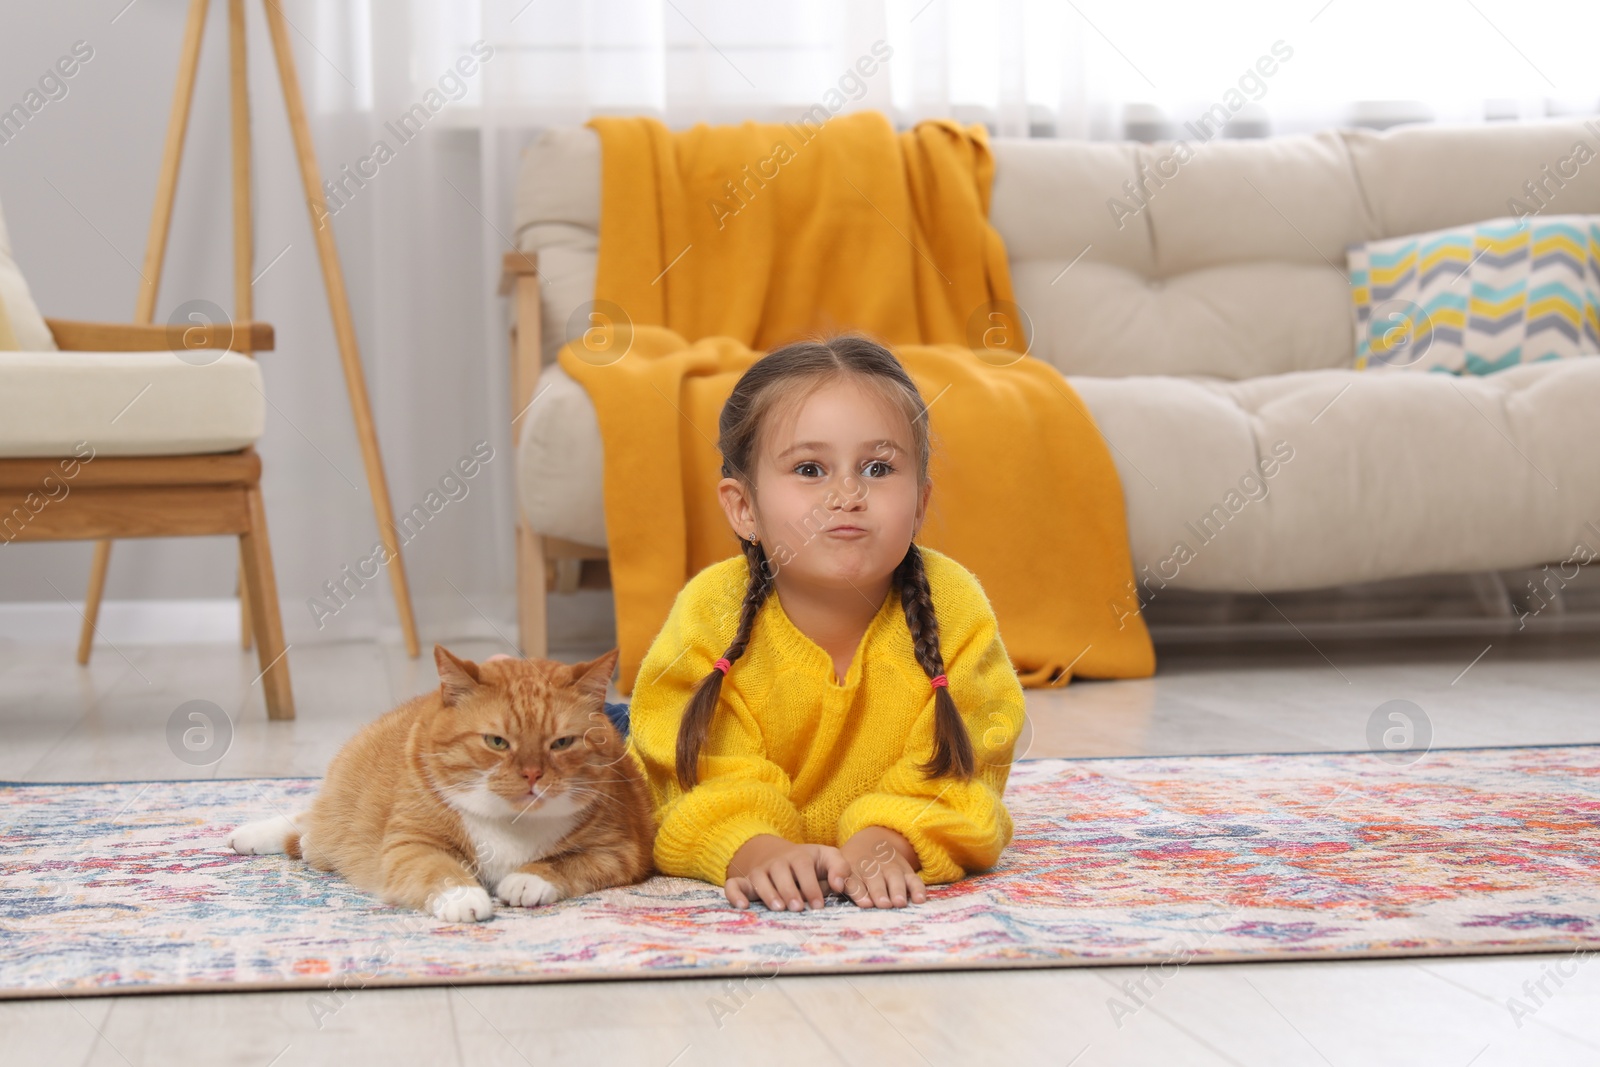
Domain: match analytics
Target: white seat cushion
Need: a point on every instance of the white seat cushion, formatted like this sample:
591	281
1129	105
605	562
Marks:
127	403
1390	474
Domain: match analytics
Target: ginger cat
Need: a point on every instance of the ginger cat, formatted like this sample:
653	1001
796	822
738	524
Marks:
509	777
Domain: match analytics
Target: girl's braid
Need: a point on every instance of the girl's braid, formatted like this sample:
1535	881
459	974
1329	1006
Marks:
696	724
952	746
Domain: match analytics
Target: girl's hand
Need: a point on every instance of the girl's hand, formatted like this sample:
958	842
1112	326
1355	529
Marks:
883	868
782	874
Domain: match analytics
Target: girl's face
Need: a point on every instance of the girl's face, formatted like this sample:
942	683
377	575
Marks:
844	459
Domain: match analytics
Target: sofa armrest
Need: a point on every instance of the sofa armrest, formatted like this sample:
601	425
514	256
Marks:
74	336
514	265
519	279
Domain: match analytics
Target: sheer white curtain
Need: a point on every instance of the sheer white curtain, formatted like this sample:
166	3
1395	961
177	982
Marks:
1074	68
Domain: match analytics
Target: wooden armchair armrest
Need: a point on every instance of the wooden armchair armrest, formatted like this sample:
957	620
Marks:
514	265
76	336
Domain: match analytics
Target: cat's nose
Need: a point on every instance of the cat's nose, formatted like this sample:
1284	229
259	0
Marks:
532	774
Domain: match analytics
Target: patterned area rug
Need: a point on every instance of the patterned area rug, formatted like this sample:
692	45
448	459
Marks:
128	887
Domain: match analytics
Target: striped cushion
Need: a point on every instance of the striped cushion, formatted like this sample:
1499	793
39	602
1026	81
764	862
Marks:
1477	299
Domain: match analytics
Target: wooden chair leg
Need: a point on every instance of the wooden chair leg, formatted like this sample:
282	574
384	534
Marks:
244	604
533	631
91	603
262	588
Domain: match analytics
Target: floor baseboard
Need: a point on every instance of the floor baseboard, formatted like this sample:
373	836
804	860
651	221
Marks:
583	620
1356	629
137	622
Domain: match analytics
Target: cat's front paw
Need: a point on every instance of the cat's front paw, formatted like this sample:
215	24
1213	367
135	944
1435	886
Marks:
523	890
461	904
264	837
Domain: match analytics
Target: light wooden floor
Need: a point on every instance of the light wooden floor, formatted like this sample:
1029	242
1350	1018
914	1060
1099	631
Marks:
60	723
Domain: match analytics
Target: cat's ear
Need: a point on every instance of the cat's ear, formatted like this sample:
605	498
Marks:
458	678
591	678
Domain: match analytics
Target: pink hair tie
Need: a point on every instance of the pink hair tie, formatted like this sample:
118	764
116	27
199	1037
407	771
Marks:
941	680
722	665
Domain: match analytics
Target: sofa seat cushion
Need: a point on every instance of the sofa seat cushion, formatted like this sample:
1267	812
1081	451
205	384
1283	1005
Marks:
1290	481
1385	475
128	403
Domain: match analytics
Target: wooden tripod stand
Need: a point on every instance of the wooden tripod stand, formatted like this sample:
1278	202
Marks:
243	257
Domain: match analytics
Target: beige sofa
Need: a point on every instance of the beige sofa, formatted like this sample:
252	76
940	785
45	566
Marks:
1201	311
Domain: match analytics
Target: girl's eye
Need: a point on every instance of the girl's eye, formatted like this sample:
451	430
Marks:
888	468
563	742
499	744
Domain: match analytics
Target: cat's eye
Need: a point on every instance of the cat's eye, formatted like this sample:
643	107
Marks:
499	744
563	742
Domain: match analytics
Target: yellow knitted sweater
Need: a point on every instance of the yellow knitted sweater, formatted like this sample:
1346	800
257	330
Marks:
794	753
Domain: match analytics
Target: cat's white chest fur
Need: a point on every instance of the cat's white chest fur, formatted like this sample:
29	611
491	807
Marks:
503	844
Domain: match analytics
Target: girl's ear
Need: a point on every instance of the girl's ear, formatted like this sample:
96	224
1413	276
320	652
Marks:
922	507
736	506
458	678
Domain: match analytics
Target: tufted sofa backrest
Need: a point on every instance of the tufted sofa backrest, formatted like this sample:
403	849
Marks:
1219	257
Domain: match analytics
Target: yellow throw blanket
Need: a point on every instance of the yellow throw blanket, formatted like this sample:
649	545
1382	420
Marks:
753	232
718	244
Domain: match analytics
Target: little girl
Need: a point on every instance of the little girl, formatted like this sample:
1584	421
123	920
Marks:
834	706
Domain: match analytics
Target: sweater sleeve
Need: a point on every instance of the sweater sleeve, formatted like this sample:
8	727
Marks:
956	827
740	793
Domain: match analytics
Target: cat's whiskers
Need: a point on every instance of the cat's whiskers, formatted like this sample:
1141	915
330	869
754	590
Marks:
593	795
523	809
596	802
599	781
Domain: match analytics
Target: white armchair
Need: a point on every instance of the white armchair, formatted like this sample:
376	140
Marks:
113	431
